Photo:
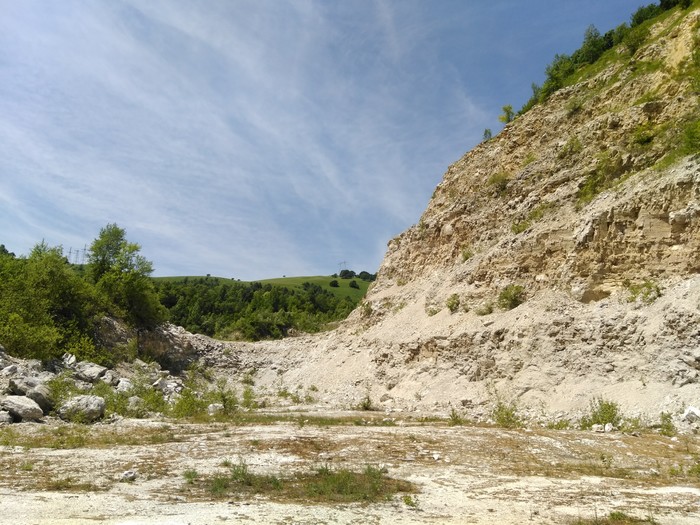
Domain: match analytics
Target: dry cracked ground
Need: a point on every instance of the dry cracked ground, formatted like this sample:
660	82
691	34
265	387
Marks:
264	470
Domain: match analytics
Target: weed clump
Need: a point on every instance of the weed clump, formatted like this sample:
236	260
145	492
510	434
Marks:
602	411
511	296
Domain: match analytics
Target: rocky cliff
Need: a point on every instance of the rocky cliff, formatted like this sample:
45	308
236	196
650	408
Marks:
556	262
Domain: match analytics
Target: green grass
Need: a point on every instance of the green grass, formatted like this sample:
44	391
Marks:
323	281
343	290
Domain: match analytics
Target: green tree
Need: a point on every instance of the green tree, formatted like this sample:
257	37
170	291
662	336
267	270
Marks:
122	274
508	114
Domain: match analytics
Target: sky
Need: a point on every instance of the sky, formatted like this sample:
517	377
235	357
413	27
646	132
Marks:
253	139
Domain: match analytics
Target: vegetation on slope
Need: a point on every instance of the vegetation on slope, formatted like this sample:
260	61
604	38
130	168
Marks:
48	306
259	310
565	69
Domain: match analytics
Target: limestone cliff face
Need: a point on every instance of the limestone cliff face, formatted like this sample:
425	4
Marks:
590	205
515	210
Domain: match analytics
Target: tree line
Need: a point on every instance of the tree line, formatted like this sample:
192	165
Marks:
49	306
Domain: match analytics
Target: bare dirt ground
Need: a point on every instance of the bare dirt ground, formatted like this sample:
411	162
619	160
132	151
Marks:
71	474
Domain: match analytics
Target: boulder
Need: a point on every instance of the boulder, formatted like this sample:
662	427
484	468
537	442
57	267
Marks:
111	378
82	408
90	372
5	417
124	385
22	408
42	395
691	415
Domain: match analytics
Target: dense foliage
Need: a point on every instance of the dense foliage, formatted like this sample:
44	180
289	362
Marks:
237	310
48	306
594	45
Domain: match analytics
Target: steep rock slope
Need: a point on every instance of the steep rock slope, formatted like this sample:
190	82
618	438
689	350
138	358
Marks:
587	208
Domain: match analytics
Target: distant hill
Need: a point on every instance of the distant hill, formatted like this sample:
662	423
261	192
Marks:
267	309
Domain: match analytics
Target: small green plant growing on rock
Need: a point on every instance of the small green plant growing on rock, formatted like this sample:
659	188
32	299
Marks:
602	411
511	296
499	181
666	427
455	419
506	415
467	253
572	147
647	291
452	303
484	309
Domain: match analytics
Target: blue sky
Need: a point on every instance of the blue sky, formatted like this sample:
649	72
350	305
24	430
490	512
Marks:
256	138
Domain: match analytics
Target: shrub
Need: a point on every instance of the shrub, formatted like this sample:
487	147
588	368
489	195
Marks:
647	291
467	253
572	146
666	427
506	415
508	114
353	284
499	181
511	296
487	135
334	284
602	411
452	303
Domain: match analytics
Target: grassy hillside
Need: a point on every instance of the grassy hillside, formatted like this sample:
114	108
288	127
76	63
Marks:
343	289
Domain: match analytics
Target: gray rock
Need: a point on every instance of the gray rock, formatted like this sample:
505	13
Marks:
82	408
128	476
42	395
9	370
135	404
124	385
22	408
111	378
5	417
691	415
88	371
20	385
598	428
69	360
215	408
609	427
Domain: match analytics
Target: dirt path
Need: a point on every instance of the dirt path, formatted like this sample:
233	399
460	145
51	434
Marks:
463	474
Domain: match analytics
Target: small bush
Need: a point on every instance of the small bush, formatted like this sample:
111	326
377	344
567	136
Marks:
499	181
484	309
666	427
647	291
452	303
455	419
511	296
572	146
506	415
334	283
467	253
602	411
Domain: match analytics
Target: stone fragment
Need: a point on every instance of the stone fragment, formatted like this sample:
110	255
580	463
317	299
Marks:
691	415
609	427
128	476
111	378
88	371
598	428
84	408
42	396
5	417
124	385
215	408
22	408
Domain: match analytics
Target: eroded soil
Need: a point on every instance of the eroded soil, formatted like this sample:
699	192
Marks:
60	473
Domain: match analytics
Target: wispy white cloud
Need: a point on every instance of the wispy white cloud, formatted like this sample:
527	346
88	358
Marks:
245	138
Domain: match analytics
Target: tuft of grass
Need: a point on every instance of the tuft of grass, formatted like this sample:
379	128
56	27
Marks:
506	415
452	303
647	291
511	296
499	181
190	476
614	518
602	411
455	419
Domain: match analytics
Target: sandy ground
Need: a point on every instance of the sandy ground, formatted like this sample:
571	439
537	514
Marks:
463	474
